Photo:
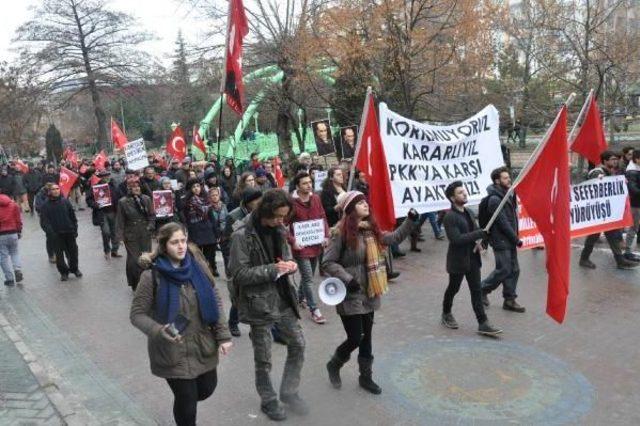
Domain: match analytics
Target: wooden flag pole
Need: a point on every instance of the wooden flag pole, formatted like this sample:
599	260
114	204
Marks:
530	162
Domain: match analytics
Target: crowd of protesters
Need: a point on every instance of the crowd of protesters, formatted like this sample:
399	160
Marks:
248	215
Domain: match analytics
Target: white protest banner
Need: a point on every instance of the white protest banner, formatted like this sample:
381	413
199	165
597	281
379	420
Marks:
320	176
597	205
423	158
136	155
309	232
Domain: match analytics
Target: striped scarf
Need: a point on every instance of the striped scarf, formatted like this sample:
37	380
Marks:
376	266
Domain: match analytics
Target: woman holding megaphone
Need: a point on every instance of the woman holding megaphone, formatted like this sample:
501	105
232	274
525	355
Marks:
355	255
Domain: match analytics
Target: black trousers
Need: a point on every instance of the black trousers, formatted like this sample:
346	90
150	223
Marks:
65	245
187	393
209	252
358	329
475	287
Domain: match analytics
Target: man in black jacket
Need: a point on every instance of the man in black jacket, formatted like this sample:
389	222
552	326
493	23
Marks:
633	183
59	221
463	258
503	237
104	216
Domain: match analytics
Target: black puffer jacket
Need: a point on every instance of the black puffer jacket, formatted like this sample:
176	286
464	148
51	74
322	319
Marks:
503	235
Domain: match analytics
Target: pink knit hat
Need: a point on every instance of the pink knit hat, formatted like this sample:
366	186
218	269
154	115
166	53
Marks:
347	198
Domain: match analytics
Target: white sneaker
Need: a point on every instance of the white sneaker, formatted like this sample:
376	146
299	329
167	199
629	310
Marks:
317	317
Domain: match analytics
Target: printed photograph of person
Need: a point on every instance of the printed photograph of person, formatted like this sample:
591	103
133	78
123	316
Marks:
348	141
322	135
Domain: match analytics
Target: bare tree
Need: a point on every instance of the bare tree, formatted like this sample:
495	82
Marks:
82	46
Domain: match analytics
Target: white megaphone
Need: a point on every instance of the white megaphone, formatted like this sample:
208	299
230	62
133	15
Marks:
332	291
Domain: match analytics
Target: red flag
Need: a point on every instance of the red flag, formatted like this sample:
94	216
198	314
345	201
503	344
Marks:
590	141
117	136
197	140
100	159
237	29
176	145
71	156
544	192
371	160
278	172
94	180
67	179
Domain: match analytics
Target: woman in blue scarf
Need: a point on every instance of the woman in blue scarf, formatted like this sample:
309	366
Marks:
178	290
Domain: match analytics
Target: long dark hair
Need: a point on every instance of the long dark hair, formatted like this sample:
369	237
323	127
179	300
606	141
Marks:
273	199
349	227
327	185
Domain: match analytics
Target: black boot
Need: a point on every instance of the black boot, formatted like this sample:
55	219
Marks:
366	382
414	245
333	367
623	263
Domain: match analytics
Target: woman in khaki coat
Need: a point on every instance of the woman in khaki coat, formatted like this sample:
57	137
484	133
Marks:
179	285
354	255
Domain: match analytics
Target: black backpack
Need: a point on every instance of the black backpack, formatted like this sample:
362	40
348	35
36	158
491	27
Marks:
484	215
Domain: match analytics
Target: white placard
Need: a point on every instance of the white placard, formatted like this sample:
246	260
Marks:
174	184
309	232
320	176
423	159
136	155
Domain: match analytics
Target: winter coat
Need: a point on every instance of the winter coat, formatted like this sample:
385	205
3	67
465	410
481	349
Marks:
254	275
10	220
40	198
198	352
503	234
329	200
219	221
462	241
304	212
33	181
196	217
97	214
131	221
57	217
19	184
345	263
8	185
234	220
633	183
148	186
228	184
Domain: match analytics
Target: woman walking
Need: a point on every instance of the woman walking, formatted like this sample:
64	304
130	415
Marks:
355	256
135	223
179	309
332	187
198	220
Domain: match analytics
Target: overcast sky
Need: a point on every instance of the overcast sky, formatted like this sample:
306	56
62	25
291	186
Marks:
162	17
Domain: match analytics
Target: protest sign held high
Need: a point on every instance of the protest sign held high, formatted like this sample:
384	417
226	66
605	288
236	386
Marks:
136	154
423	159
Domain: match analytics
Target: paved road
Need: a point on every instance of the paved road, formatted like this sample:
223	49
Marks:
582	372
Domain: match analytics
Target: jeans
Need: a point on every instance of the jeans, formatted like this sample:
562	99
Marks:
209	252
506	273
633	229
433	221
187	393
9	250
307	267
473	280
108	229
358	329
291	332
65	244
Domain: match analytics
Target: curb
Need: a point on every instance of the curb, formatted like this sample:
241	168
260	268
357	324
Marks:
69	416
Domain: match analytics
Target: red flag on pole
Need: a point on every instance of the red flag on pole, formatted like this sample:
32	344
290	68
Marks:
278	172
237	29
94	180
371	160
197	141
544	192
20	165
100	159
590	141
67	179
176	145
117	136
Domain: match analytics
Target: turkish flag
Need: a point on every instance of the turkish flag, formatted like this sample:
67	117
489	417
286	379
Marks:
100	159
197	140
176	145
117	136
67	179
94	180
20	165
278	172
544	192
72	157
590	141
237	29
371	160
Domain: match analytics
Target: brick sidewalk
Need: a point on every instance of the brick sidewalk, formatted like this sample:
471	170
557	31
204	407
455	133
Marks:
23	400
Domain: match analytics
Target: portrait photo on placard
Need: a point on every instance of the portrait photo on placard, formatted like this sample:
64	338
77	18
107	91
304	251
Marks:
322	135
348	136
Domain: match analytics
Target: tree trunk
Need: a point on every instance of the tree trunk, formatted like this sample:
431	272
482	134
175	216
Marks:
284	134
